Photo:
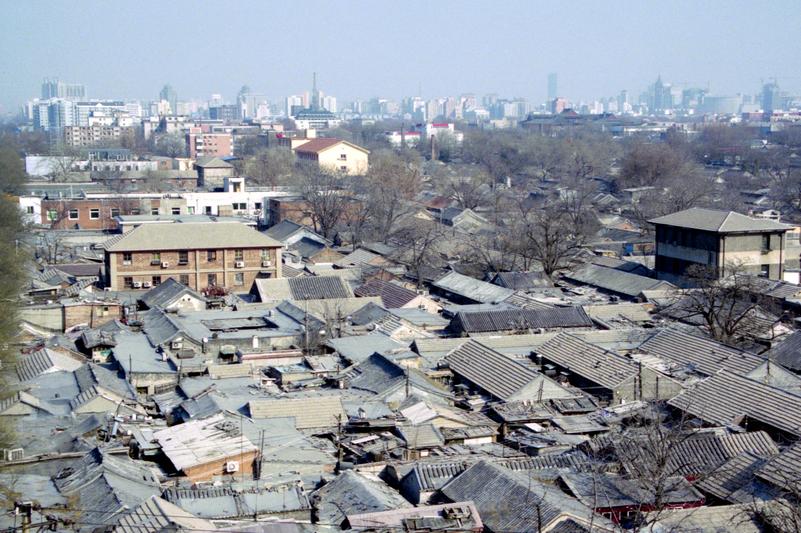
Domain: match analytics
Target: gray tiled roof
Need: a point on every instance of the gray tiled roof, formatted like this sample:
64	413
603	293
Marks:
392	295
166	293
615	281
726	397
511	501
353	493
179	236
703	354
717	221
788	352
499	375
603	367
513	319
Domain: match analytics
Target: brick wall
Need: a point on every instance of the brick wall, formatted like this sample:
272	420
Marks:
217	468
193	268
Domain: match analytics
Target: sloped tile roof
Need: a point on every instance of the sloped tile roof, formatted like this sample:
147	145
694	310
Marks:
717	221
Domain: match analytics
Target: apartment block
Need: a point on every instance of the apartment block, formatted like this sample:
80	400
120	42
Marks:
198	255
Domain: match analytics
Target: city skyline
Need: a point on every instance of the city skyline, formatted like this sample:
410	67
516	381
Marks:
637	43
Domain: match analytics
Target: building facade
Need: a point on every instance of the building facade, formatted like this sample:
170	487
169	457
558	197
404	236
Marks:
199	255
718	241
335	155
202	144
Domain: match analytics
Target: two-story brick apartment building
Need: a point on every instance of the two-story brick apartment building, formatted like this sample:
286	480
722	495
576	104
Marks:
718	239
198	255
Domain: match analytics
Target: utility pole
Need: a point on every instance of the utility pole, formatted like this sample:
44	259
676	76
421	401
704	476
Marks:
339	443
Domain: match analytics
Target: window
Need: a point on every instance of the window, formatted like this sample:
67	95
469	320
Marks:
155	259
343	157
183	257
115	212
191	210
29	209
764	271
343	168
241	206
136	211
766	243
211	256
73	214
176	211
127	282
265	254
94	214
52	215
156	280
239	279
127	258
212	280
257	205
239	255
207	210
184	279
154	211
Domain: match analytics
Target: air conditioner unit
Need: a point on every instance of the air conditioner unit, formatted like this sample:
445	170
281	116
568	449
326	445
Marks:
239	264
146	284
176	345
14	454
165	264
266	263
137	284
232	466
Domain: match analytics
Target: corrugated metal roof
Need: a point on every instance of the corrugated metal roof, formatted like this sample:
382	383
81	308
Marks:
311	412
198	442
471	288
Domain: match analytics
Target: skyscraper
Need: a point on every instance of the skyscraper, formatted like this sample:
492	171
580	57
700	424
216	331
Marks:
168	94
770	98
53	88
553	88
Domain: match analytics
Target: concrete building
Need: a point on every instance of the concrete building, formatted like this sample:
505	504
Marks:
213	254
205	144
58	89
335	154
718	239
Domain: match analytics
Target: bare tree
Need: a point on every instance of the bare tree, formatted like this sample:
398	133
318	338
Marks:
417	245
469	192
270	166
170	144
328	202
547	236
391	184
724	303
655	165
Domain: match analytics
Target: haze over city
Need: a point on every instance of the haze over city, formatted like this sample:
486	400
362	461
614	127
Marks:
408	267
368	49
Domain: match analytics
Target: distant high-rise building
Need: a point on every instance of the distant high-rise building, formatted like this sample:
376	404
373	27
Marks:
770	98
553	88
53	88
168	94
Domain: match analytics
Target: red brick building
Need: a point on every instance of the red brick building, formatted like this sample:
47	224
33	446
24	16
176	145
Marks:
198	255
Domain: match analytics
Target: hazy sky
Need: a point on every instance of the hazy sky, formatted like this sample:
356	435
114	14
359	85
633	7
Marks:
362	49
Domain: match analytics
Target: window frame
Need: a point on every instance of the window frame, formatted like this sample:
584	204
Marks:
94	213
